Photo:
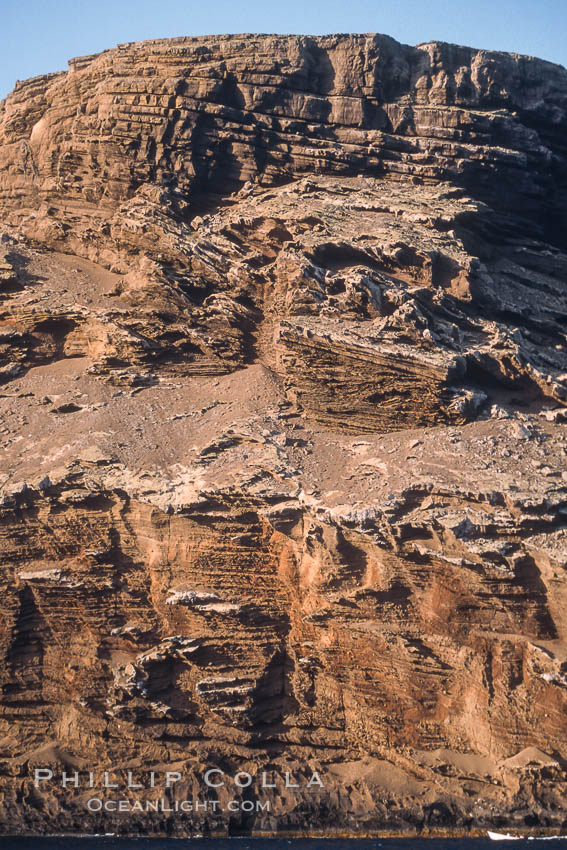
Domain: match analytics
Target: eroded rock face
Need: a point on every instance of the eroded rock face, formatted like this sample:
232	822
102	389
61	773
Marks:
283	387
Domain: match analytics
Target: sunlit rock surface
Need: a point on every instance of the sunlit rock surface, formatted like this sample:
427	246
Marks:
283	388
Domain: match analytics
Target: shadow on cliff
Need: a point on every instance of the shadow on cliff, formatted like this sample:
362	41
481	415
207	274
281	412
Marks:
24	279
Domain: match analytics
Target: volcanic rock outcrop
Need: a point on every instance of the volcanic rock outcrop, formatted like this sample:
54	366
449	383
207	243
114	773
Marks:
283	368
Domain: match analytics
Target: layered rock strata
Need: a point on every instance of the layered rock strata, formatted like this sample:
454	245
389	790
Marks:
283	392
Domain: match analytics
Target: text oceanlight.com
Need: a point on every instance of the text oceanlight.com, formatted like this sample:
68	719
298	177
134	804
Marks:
96	804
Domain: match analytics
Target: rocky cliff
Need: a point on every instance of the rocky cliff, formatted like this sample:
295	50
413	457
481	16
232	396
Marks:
283	375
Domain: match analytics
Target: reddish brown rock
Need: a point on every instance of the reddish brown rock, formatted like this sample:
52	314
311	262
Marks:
283	380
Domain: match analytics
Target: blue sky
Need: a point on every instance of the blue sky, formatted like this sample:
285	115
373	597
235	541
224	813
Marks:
38	36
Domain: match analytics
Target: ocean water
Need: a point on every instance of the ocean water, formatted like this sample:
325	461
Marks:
110	843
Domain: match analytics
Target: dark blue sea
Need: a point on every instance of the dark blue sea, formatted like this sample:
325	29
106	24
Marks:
109	843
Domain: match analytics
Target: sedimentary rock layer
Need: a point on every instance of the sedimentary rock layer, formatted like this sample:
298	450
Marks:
283	392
